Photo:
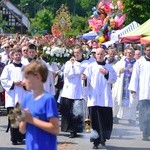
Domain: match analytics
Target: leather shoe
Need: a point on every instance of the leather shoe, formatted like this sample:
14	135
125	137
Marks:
95	146
132	122
73	135
115	120
14	143
145	139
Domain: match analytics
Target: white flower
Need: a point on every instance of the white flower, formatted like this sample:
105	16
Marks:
62	50
45	48
70	51
67	50
48	48
65	55
48	52
51	54
68	55
57	55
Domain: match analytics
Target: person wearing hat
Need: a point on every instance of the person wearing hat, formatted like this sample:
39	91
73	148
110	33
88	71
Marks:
93	51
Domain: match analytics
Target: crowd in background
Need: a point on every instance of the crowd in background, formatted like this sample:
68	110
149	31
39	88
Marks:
102	79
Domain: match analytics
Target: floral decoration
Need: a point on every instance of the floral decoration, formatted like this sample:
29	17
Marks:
57	54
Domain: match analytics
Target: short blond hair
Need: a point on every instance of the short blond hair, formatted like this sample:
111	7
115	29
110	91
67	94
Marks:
37	67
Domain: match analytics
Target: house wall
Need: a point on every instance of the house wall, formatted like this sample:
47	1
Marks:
25	20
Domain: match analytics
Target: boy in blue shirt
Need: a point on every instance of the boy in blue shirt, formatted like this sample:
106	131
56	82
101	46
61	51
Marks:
40	123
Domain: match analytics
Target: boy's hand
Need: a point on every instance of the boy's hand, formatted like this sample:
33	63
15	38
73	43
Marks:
27	117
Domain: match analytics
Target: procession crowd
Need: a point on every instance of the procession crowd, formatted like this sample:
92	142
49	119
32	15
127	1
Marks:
104	87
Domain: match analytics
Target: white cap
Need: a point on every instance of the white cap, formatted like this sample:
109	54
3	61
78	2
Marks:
93	50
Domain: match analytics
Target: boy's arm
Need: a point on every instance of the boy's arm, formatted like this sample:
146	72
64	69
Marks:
52	126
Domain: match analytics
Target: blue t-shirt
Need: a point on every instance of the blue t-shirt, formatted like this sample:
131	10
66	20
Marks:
44	108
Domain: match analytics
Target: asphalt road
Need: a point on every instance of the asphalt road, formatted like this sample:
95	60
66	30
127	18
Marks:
124	137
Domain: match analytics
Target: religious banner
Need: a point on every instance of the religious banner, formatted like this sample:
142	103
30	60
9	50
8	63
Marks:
62	21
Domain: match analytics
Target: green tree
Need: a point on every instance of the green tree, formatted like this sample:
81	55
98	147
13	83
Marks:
42	21
137	10
79	25
2	22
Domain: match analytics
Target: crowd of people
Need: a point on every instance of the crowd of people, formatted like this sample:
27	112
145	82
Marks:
109	85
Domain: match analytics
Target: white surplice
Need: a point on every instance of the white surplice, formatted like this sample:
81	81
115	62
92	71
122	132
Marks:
49	84
17	93
73	88
98	87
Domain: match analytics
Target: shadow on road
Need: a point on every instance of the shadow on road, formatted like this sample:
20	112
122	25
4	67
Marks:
79	135
124	134
67	143
123	148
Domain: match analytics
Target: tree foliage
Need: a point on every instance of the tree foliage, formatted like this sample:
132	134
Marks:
79	25
42	21
135	10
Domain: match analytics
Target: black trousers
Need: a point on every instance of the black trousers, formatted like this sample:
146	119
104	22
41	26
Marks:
14	132
69	121
102	122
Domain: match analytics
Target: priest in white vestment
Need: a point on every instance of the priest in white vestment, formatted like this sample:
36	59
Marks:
120	92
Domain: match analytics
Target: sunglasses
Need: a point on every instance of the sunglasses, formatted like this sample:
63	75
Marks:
25	50
7	47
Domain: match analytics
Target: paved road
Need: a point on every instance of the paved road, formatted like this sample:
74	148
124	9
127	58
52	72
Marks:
124	137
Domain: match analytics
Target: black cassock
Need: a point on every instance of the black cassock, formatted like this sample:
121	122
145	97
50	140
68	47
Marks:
102	122
69	121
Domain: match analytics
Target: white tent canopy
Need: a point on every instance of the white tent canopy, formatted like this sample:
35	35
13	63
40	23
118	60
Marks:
115	36
117	33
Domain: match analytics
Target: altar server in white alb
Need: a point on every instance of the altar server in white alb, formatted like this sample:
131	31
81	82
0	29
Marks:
49	84
140	86
72	94
11	80
124	108
100	76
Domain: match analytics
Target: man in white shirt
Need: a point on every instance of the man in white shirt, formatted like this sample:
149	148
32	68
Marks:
140	87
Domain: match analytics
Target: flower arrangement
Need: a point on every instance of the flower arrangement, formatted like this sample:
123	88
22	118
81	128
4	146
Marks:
57	54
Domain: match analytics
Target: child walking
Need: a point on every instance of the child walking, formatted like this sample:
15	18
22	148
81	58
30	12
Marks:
40	123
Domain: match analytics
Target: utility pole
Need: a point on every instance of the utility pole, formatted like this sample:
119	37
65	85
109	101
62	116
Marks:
21	8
